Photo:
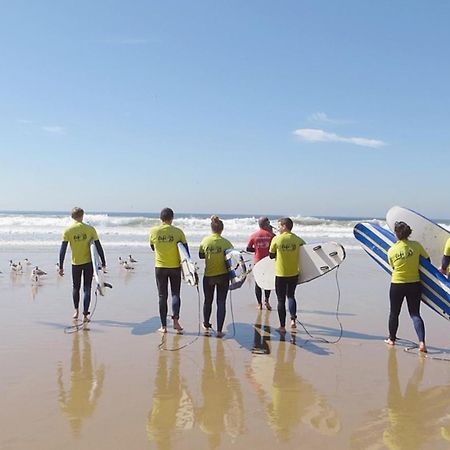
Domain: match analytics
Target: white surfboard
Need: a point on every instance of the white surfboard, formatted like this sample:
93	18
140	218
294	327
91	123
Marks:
376	241
236	267
431	235
98	272
188	267
315	260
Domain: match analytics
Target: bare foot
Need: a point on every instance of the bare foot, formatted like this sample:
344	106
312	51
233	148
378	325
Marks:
259	306
177	326
268	307
75	314
281	330
162	330
422	347
293	324
220	334
389	341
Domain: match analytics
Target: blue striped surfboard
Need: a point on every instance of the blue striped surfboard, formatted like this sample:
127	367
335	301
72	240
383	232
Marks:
376	241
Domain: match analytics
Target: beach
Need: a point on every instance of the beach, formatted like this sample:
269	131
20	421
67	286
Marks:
111	386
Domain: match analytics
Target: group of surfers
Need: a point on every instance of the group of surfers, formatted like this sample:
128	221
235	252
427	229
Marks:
403	257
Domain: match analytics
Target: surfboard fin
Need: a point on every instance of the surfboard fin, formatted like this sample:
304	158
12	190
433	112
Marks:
317	248
333	253
325	268
108	285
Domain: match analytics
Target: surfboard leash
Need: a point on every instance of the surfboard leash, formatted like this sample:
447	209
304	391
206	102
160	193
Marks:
341	332
162	344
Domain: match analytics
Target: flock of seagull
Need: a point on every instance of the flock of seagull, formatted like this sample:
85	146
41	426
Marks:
20	267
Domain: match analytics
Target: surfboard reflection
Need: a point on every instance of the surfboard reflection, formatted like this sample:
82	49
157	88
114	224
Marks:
86	382
172	406
222	410
412	418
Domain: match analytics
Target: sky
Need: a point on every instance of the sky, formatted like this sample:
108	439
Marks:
318	107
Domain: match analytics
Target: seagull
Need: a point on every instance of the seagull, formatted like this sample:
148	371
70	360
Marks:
27	262
38	272
131	259
15	267
125	264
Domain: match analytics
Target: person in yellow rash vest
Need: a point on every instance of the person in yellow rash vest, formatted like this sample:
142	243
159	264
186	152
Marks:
404	258
164	242
285	249
80	235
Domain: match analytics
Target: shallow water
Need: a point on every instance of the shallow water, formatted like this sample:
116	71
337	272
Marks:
110	387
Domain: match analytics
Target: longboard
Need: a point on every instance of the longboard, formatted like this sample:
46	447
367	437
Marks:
98	272
237	270
431	235
315	260
376	241
188	267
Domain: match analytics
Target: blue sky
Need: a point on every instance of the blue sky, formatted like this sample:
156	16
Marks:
295	107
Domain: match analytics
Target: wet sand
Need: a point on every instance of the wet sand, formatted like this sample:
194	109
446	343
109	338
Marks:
110	387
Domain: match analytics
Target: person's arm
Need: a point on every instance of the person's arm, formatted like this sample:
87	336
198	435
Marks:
444	265
273	249
251	246
101	253
62	255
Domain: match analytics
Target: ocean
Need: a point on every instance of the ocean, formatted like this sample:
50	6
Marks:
22	230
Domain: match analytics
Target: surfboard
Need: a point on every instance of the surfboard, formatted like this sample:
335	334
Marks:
315	260
376	241
431	235
98	272
188	267
237	270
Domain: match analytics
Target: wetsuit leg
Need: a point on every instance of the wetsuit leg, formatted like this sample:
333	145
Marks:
208	292
413	294
258	293
267	295
222	291
396	295
291	286
76	285
175	285
281	291
162	279
88	272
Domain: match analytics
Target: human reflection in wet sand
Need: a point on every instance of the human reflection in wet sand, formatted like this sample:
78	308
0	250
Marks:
222	409
86	383
294	400
411	419
262	332
172	407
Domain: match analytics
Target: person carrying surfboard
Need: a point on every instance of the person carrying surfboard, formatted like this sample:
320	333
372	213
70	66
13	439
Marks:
285	249
259	244
164	240
79	235
212	250
446	260
404	258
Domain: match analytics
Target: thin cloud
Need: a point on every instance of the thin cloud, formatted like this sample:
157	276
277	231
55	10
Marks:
316	135
25	121
54	129
322	117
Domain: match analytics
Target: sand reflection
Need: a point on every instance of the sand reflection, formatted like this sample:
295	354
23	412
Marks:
288	399
222	409
412	418
172	407
79	400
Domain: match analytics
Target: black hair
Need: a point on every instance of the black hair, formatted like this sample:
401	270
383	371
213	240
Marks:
402	230
166	215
